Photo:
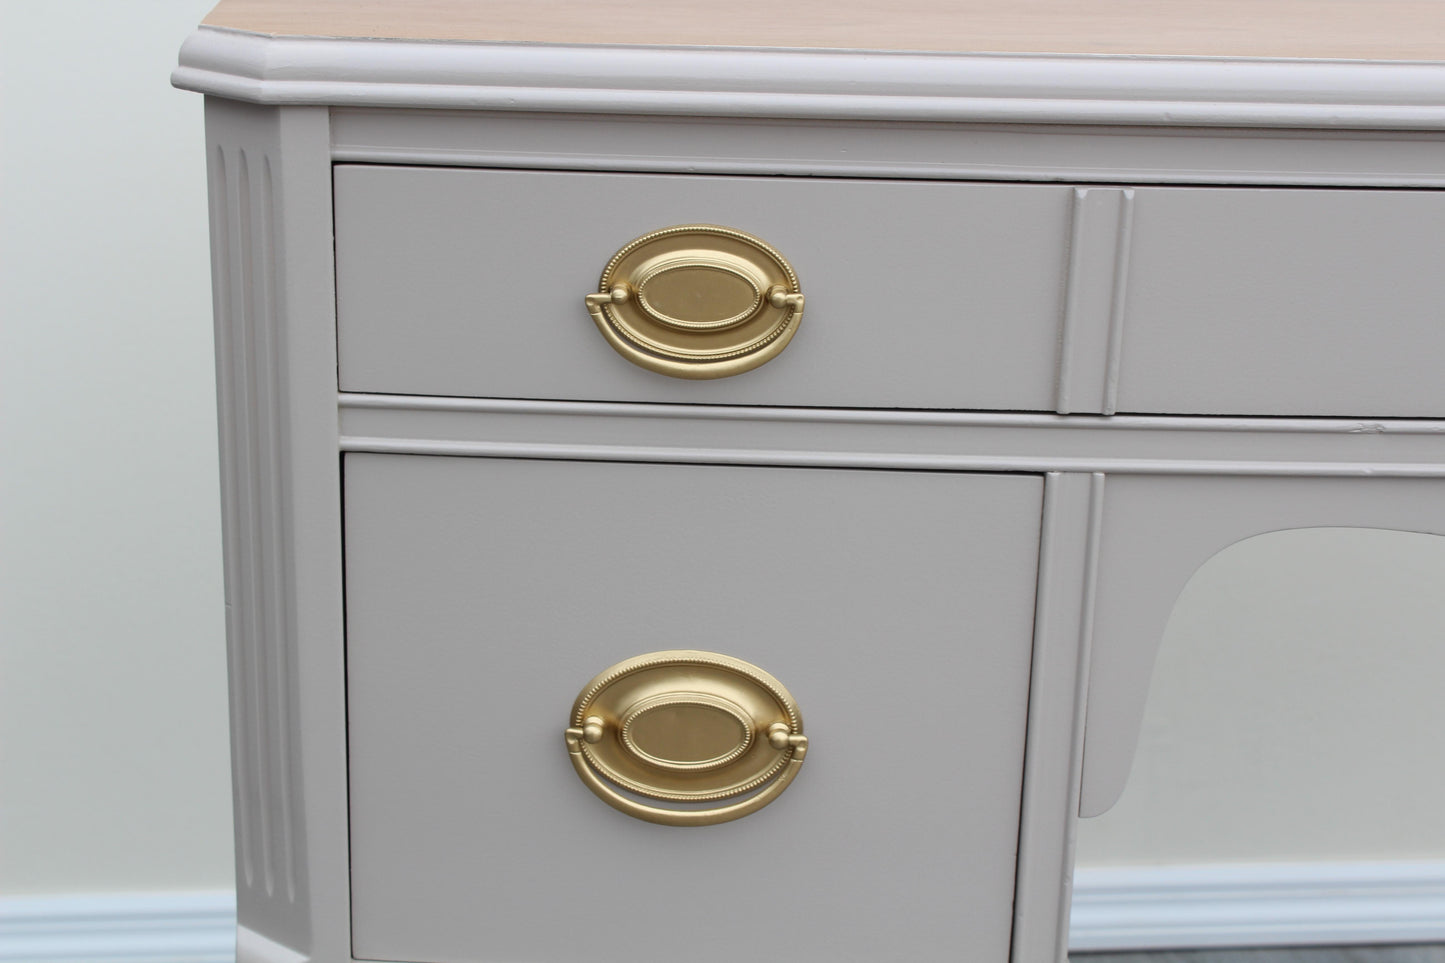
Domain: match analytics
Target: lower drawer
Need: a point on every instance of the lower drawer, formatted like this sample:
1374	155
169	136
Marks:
482	594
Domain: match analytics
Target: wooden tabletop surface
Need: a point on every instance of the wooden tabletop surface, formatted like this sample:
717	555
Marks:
1329	29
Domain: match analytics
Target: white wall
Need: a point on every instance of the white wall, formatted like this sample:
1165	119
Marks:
1295	715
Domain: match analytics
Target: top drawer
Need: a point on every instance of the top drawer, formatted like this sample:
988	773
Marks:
921	294
1284	302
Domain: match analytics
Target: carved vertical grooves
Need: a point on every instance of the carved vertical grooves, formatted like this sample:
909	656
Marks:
253	606
270	178
1068	576
281	609
1123	252
1072	297
256	514
233	472
258	605
1093	538
1091	329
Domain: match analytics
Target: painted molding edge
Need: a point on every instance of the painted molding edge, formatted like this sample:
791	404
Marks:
1258	904
179	927
821	84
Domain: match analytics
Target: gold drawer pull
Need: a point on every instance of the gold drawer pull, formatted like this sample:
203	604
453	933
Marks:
697	301
685	726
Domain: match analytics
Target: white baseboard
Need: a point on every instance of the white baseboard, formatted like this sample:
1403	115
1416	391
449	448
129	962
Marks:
187	927
1127	908
1258	904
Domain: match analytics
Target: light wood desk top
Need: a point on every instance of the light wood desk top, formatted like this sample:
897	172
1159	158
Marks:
1400	30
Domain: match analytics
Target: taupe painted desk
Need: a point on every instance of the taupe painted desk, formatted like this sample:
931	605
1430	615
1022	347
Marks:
1077	319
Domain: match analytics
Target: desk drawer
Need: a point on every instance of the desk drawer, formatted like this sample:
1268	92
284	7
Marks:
1285	302
482	594
921	294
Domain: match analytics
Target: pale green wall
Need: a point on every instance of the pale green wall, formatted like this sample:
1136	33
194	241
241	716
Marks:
1296	712
1297	709
114	770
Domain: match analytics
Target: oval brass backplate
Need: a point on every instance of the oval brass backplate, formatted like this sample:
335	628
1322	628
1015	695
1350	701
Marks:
697	301
685	726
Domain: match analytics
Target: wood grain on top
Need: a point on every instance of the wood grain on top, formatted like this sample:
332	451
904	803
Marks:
1333	29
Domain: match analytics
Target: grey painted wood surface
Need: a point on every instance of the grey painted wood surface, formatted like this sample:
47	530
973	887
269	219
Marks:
876	147
1026	297
962	441
275	374
1423	953
1158	531
1054	751
924	295
1189	301
1285	302
838	84
483	593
